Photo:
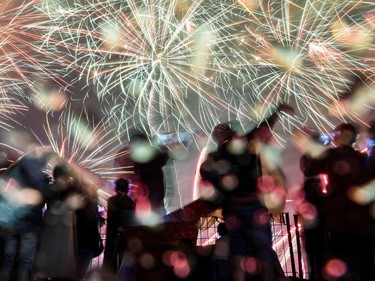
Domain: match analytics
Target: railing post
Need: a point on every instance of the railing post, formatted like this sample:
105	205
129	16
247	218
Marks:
299	251
292	262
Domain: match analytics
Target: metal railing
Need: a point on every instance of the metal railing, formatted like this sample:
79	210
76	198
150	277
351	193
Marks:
287	242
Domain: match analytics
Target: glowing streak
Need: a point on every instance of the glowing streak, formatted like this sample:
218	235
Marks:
103	197
197	177
9	184
20	152
324	181
91	146
19	45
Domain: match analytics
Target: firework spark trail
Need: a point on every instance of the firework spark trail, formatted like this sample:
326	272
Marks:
19	44
11	85
163	63
91	146
22	65
305	54
9	105
179	67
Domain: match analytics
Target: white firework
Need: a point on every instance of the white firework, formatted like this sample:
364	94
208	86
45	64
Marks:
169	64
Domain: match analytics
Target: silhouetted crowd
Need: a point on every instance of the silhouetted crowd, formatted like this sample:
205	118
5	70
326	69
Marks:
50	221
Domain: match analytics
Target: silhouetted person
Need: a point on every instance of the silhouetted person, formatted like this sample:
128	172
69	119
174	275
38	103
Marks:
315	234
120	216
149	160
57	252
24	183
88	221
348	221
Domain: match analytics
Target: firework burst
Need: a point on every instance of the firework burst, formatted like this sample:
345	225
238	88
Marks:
184	65
12	79
91	146
166	63
94	149
22	65
308	54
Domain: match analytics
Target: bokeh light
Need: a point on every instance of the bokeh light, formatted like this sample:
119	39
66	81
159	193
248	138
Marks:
335	269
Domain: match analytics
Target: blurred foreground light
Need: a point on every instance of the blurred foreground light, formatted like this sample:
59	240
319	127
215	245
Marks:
135	245
142	152
201	57
237	146
148	217
363	195
229	182
207	190
18	140
261	217
250	265
249	4
266	183
286	59
18	196
356	37
178	261
362	101
111	36
51	101
308	214
180	264
232	222
147	261
167	258
75	202
306	145
334	269
275	200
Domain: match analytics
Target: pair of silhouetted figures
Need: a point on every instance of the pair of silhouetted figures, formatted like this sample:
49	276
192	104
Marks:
235	171
339	244
56	242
